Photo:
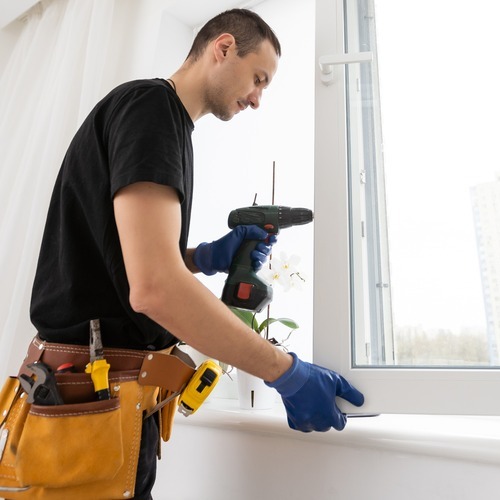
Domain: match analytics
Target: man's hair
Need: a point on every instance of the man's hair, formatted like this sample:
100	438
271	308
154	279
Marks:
248	28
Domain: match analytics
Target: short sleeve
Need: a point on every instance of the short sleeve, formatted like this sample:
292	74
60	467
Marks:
145	140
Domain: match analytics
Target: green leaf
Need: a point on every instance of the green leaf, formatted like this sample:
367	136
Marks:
248	317
290	323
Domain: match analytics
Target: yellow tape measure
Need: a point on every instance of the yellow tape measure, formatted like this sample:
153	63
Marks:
199	387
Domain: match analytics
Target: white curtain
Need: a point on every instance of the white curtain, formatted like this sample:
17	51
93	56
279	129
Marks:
50	83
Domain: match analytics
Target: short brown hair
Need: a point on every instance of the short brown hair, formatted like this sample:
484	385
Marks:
247	27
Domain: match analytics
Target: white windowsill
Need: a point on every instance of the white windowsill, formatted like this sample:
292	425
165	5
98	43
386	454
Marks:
475	439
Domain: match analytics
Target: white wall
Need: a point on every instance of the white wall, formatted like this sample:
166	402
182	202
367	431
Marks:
234	160
215	464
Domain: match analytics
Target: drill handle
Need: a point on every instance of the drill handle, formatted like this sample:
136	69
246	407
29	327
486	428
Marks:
243	288
243	254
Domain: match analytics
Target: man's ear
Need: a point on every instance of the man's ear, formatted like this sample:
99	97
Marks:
222	45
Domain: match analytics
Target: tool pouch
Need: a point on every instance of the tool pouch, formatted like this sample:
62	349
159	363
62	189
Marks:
13	410
79	450
85	449
100	425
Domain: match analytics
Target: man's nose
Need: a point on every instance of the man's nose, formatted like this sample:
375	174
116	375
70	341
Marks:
254	98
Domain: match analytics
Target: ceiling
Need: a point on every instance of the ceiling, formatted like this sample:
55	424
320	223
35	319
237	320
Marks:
195	12
191	12
12	9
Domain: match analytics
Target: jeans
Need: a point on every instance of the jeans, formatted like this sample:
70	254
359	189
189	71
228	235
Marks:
146	469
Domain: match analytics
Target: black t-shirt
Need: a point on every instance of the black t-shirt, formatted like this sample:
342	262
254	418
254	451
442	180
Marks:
139	132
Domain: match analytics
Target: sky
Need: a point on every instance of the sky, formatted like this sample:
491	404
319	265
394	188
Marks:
439	79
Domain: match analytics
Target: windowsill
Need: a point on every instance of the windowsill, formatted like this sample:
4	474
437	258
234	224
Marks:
475	439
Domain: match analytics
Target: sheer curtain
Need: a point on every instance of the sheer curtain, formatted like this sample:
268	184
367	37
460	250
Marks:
52	79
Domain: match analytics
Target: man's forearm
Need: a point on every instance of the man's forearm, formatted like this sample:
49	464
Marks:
190	311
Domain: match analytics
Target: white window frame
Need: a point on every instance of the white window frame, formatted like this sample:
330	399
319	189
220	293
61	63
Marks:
387	390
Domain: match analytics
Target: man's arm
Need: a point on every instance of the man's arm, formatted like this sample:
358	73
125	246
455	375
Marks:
188	260
162	287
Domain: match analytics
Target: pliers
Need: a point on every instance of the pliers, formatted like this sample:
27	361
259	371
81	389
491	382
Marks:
98	366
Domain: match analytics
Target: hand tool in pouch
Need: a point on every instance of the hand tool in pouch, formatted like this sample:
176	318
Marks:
98	366
42	388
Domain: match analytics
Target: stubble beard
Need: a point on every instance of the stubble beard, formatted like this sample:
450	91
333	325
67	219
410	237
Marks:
216	104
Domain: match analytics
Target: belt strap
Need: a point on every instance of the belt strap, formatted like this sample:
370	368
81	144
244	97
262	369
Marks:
163	368
168	371
55	354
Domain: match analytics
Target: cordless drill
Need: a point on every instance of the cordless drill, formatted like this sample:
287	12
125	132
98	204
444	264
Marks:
243	288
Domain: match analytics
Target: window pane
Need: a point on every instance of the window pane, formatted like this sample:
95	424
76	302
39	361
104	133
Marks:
424	178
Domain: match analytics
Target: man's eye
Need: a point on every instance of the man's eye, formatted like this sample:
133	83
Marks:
257	80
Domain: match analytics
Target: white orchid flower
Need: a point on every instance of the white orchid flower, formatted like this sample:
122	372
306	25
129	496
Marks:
284	271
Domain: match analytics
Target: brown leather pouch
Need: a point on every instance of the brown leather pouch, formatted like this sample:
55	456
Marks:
170	372
84	448
81	450
167	415
14	411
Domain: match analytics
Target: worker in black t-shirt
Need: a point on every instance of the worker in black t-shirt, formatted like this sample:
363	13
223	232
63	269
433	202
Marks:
115	243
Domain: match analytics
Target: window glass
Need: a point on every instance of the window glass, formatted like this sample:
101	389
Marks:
424	178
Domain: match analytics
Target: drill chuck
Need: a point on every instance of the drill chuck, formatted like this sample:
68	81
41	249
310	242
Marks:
289	217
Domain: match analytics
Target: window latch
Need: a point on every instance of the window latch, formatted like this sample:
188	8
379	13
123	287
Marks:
326	63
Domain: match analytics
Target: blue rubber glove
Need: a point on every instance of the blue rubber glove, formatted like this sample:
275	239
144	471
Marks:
308	392
262	252
217	256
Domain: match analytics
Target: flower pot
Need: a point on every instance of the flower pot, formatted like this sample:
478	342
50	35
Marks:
253	393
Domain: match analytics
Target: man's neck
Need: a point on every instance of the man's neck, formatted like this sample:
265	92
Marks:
189	88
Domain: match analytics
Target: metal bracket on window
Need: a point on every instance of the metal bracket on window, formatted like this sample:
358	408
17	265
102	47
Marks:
326	63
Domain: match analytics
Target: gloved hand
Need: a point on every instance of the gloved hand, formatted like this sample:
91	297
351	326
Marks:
262	251
217	256
308	392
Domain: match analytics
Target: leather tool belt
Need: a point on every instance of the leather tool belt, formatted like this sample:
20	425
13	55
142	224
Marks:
85	448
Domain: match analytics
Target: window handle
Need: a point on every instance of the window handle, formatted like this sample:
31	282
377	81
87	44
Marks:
326	63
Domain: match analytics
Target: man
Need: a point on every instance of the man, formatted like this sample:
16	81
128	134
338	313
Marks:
115	242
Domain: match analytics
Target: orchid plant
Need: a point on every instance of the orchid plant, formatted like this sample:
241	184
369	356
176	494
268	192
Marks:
282	271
